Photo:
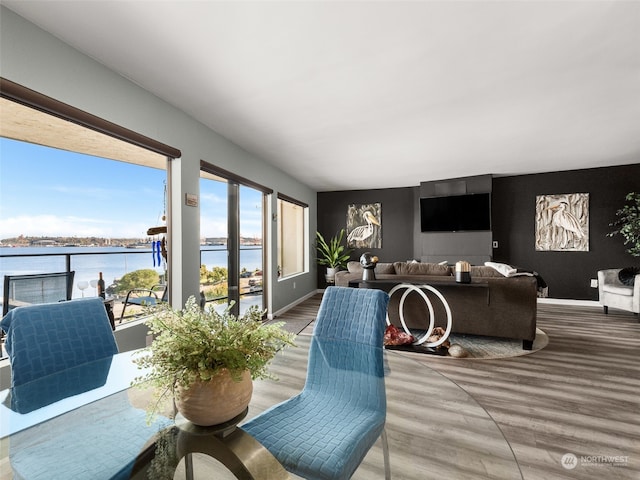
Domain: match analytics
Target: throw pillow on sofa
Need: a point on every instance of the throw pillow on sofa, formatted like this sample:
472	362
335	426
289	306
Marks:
628	275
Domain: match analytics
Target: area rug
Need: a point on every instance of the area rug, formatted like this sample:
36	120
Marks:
479	347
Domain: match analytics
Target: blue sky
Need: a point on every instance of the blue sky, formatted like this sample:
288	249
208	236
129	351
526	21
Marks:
50	192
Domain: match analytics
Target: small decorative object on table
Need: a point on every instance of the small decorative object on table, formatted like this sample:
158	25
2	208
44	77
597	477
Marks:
101	287
463	272
195	349
394	336
368	263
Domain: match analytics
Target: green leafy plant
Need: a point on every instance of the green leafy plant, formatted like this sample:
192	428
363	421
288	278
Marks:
628	223
332	253
144	278
196	344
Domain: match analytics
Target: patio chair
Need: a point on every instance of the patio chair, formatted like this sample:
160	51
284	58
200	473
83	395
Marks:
21	290
324	432
144	297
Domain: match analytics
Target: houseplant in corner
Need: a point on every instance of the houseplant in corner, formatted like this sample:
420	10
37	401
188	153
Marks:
332	254
207	360
628	223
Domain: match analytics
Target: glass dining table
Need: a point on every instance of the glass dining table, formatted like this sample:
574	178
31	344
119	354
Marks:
89	423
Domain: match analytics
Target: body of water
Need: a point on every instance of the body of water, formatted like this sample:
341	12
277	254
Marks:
113	262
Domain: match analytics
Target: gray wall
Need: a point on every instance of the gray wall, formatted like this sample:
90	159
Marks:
33	58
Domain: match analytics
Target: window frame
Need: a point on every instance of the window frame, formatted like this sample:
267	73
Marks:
302	259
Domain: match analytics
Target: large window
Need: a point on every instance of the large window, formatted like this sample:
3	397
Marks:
292	220
232	211
67	205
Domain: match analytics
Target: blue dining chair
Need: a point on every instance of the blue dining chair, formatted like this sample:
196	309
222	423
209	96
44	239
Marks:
50	346
324	432
51	337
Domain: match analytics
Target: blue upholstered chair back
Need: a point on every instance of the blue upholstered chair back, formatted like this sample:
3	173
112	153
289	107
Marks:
345	357
45	339
352	314
324	432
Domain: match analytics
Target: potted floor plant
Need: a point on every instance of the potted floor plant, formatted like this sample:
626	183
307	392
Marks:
332	253
207	360
628	223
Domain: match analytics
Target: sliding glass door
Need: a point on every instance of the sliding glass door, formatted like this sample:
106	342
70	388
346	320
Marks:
231	244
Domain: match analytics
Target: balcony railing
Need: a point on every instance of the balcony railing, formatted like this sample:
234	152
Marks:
114	264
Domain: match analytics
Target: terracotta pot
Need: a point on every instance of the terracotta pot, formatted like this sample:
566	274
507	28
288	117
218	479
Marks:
215	401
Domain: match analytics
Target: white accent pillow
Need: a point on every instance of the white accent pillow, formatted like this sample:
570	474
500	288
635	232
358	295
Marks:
503	268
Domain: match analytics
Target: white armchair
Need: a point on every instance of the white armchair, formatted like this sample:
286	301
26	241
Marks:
613	293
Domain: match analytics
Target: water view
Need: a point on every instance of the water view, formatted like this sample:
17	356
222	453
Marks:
113	262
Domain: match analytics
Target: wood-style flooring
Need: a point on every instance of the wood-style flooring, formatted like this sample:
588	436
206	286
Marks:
579	395
514	418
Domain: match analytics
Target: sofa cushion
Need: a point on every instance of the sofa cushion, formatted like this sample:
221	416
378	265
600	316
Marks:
479	271
385	268
404	268
354	267
618	289
381	268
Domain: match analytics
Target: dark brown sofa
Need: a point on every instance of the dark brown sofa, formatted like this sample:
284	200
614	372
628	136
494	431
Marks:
494	305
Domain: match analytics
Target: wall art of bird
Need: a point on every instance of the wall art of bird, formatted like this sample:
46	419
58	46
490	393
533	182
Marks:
567	224
363	232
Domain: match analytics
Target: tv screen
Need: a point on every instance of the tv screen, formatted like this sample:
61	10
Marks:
457	213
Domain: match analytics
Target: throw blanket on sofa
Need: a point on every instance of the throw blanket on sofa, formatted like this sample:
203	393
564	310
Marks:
509	271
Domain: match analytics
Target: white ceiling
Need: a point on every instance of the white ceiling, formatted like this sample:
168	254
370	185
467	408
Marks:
364	94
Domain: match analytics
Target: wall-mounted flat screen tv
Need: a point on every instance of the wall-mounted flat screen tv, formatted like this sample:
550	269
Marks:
458	213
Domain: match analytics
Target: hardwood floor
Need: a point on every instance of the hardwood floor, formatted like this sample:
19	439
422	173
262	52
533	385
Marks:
579	395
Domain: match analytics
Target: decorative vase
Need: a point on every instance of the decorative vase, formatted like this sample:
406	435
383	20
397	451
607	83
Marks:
368	263
463	272
215	401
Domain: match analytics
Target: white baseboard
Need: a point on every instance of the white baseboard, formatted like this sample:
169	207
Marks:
271	316
568	301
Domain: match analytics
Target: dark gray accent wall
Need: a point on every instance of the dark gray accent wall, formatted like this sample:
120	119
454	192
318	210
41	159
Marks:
567	274
397	220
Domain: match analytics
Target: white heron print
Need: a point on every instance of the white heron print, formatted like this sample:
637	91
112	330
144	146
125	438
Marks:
364	225
562	222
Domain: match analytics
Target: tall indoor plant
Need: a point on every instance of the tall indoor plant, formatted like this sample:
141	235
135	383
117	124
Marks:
197	350
332	253
628	223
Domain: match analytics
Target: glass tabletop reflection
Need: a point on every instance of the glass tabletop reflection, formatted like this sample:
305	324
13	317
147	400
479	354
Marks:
434	428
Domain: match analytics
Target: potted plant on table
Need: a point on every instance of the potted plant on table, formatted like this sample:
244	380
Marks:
332	254
207	360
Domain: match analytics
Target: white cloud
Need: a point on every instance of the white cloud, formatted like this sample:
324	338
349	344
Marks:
66	226
213	226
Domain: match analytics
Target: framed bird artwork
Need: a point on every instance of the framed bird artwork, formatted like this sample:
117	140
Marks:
364	225
562	222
